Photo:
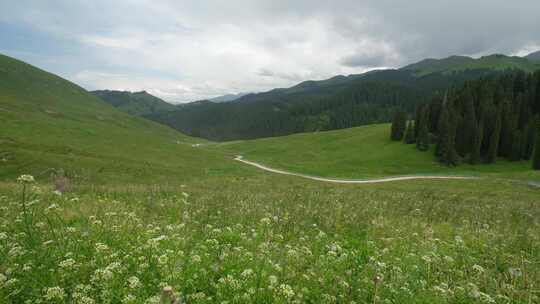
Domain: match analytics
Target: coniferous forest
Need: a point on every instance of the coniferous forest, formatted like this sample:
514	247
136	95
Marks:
479	121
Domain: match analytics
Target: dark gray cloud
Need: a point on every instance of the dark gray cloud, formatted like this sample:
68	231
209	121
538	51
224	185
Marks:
192	49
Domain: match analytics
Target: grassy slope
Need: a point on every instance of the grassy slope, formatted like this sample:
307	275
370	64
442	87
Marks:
357	153
47	122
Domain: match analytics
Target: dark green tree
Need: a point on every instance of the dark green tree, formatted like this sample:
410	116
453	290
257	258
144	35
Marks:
443	126
398	126
530	137
517	146
494	139
536	155
469	125
409	133
476	153
450	156
422	140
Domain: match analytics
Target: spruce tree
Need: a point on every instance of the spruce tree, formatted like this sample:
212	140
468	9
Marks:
536	156
475	155
493	148
507	130
517	145
442	130
469	125
422	141
450	156
398	126
530	137
409	134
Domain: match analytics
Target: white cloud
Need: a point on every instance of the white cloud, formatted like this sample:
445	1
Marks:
189	50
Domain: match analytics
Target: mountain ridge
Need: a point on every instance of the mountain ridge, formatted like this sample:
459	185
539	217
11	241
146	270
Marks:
135	103
337	102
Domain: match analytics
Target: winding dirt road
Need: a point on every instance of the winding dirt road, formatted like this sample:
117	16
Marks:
348	181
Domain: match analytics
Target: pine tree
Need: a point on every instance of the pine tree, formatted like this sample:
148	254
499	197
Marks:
507	130
398	126
450	156
530	137
409	134
422	140
477	144
493	148
536	155
442	129
517	145
469	125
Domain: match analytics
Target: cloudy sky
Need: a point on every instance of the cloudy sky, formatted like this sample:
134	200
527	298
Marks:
186	50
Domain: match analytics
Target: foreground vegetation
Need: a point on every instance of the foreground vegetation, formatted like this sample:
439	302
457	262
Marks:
93	227
291	243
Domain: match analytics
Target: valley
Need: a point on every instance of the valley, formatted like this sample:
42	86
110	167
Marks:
101	206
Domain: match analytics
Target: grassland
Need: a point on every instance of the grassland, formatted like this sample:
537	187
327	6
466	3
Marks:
147	209
273	239
363	152
48	124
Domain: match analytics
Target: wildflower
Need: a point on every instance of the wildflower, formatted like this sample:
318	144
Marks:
196	259
247	273
163	259
26	179
101	247
286	291
265	221
57	193
478	268
129	299
515	272
273	280
133	282
55	293
69	263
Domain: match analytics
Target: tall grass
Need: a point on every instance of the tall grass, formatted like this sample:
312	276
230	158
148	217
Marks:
245	245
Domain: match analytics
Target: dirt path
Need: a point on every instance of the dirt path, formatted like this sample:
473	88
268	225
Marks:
348	181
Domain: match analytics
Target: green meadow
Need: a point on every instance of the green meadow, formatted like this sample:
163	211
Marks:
119	208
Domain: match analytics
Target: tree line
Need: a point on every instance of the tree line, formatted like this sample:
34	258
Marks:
478	121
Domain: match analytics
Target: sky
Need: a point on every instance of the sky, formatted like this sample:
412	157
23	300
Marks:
187	50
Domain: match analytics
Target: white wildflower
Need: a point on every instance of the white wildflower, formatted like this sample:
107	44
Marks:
134	282
247	273
163	259
26	178
55	293
196	259
273	280
286	291
478	268
69	263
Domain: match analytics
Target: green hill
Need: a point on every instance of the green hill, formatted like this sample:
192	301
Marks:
362	152
335	103
48	123
455	64
135	103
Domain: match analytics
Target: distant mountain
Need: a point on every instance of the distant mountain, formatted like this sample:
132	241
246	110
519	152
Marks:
135	103
461	63
335	103
534	56
228	97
